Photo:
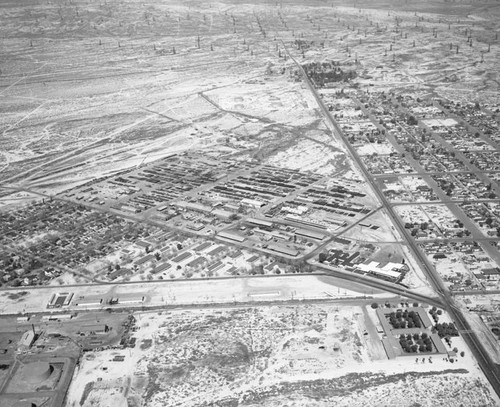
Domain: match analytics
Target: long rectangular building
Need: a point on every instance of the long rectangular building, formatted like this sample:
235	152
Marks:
283	250
231	236
259	222
310	233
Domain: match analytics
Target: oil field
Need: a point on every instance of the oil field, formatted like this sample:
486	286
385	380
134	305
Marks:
260	203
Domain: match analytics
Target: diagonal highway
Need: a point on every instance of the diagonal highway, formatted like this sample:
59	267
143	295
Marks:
489	368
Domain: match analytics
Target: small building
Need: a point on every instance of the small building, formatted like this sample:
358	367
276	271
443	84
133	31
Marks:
27	339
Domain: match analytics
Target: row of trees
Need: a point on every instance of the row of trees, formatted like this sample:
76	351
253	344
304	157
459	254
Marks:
404	319
412	343
445	329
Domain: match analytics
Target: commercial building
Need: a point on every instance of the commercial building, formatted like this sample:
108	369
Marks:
252	203
265	224
193	206
27	339
309	233
94	329
391	271
283	250
59	300
231	236
222	214
88	301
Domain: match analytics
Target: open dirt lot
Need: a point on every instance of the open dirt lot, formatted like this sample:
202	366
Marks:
313	355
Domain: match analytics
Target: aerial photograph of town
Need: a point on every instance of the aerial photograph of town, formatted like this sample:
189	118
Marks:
256	203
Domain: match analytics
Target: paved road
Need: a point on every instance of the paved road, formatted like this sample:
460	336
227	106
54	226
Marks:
490	369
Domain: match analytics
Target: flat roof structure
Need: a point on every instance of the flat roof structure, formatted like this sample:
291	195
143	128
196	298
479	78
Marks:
88	301
310	233
283	250
195	226
259	222
373	268
27	339
222	214
252	202
438	343
298	219
95	328
389	348
130	299
193	206
231	236
142	243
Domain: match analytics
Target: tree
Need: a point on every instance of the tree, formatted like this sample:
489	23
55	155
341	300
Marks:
322	257
374	305
412	121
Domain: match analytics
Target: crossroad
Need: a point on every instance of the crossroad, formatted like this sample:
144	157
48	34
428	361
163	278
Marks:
489	368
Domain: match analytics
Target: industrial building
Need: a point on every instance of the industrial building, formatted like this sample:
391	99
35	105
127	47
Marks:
94	329
231	236
310	234
283	250
88	301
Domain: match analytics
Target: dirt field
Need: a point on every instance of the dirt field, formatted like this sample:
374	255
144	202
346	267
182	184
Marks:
312	355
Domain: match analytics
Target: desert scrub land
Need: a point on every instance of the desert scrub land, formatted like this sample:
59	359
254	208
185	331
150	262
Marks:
315	355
